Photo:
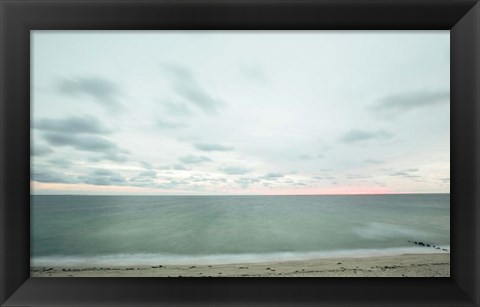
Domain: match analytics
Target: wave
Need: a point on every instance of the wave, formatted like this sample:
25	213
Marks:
170	259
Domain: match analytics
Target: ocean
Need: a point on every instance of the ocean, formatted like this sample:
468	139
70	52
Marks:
144	230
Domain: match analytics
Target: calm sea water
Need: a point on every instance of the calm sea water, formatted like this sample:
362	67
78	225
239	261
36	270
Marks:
115	230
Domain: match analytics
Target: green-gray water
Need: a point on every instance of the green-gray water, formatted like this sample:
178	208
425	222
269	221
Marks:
222	229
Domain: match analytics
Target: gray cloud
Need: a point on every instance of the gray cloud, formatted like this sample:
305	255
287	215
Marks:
79	132
382	184
197	179
81	142
202	179
191	159
73	124
188	88
104	178
310	157
115	157
272	176
411	100
179	167
103	91
212	147
355	136
401	173
146	164
90	143
144	179
48	176
235	170
63	163
406	173
140	182
40	150
167	185
246	182
357	176
149	174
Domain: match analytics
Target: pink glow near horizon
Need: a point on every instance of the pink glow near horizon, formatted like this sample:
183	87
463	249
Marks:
85	188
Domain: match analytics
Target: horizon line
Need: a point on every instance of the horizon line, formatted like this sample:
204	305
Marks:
332	194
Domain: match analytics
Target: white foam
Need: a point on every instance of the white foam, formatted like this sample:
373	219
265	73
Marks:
166	259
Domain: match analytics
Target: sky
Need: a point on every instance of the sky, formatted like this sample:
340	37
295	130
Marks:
240	112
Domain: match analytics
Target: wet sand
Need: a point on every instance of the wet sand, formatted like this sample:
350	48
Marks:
408	265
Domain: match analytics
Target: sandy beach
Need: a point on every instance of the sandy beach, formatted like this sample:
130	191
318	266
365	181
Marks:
407	265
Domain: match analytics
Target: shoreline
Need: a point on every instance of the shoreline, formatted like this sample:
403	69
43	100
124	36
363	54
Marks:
404	265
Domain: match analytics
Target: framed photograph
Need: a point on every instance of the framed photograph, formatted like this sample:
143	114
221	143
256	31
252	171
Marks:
239	153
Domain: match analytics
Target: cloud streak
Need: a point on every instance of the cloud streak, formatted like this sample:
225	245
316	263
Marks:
411	100
272	176
88	143
406	173
246	182
189	89
144	179
104	177
81	142
103	91
212	147
72	124
40	150
357	136
48	176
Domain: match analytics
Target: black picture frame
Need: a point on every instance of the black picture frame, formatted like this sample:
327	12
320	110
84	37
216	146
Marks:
18	17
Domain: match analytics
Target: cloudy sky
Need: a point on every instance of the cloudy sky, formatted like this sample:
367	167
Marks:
238	112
